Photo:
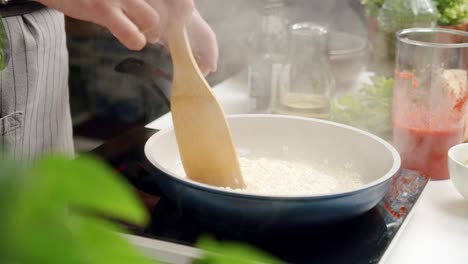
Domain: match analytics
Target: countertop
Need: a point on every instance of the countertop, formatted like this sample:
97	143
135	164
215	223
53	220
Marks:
436	230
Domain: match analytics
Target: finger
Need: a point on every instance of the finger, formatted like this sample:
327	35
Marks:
125	30
205	70
181	9
163	11
145	17
170	11
204	44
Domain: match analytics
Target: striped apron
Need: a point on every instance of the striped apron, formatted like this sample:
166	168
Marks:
34	104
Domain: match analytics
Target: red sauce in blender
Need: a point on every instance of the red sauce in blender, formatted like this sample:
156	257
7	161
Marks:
423	133
425	149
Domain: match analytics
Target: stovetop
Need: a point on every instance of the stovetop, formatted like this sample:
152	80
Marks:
360	240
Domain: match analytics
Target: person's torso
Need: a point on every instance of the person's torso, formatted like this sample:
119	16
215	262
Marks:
10	8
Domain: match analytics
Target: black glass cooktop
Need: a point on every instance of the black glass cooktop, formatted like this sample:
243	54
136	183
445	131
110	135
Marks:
360	240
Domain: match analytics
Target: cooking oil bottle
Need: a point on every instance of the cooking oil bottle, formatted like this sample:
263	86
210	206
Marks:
308	82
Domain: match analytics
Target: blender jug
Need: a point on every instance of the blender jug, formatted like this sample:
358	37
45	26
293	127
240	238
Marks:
429	97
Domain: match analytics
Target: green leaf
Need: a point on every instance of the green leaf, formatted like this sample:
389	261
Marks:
86	183
9	192
108	245
49	215
228	252
452	12
369	108
46	237
82	239
346	100
372	6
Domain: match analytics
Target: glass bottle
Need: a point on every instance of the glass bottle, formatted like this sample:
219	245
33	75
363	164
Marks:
267	55
308	83
396	15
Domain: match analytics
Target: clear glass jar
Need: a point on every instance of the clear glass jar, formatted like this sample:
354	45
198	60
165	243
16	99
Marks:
308	82
268	52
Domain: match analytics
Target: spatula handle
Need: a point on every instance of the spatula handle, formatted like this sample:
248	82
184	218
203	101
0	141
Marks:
182	56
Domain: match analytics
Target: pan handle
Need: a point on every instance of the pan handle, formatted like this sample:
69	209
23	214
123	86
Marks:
159	80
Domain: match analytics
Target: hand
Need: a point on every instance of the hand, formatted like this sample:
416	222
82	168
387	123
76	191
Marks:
138	22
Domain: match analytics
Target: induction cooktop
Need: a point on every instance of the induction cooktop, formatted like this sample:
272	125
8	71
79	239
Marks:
363	239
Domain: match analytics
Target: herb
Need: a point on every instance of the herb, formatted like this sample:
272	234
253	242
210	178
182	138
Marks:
370	108
452	12
232	253
49	213
396	15
58	211
372	6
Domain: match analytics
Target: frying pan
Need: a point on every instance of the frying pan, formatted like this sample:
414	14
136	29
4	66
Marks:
305	139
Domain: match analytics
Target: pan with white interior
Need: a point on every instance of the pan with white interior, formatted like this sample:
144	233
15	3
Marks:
355	156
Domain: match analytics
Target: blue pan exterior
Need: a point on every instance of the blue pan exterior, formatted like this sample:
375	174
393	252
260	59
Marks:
257	213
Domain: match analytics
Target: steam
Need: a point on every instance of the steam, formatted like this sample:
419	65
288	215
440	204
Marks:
234	20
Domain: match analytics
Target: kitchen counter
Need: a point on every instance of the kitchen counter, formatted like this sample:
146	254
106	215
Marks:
436	230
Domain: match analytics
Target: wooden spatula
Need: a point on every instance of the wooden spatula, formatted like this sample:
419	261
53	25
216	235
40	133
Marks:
202	133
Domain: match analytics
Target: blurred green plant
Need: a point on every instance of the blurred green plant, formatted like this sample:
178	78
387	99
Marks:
53	212
396	15
50	213
372	7
370	108
452	12
231	253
